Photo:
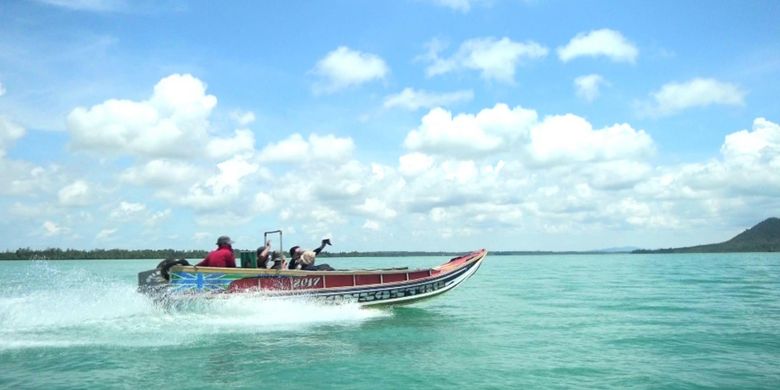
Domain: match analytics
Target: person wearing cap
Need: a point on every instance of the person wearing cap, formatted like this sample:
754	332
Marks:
222	256
304	259
278	258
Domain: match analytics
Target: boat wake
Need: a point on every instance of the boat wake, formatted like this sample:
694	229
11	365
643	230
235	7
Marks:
47	306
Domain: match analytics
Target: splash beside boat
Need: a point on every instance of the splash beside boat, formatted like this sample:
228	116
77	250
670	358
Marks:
365	287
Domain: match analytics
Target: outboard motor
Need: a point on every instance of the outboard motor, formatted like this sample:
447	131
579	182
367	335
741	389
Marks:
153	281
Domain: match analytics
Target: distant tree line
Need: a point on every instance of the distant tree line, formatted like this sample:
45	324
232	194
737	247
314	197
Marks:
387	254
128	254
96	254
125	254
447	253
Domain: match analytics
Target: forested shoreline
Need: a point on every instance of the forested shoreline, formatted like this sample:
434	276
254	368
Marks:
98	254
146	254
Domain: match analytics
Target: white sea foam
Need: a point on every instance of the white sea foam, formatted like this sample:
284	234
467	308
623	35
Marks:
65	308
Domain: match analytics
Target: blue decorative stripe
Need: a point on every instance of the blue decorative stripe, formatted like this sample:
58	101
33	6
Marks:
198	281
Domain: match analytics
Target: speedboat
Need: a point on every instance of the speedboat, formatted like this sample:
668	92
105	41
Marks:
176	278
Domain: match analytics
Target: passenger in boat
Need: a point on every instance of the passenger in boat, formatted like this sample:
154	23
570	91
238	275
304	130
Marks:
221	257
304	259
262	255
278	258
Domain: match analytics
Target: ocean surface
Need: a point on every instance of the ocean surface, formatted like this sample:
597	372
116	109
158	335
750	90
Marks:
619	321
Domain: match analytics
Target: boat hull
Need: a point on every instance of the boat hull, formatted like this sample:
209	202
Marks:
365	287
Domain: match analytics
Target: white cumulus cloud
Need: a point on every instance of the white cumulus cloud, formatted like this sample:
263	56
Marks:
744	181
156	218
89	5
219	190
263	203
297	150
603	42
77	193
371	225
161	173
458	5
489	130
495	59
105	234
617	174
172	123
588	86
376	208
414	164
700	92
127	210
23	178
243	118
343	68
51	229
412	99
570	138
9	133
761	145
242	142
482	176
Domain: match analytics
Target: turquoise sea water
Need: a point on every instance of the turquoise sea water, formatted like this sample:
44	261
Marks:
578	321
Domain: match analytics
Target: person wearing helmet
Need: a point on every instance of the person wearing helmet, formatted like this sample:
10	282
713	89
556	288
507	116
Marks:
222	256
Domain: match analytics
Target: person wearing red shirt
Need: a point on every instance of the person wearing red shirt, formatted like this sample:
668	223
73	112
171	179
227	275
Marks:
221	257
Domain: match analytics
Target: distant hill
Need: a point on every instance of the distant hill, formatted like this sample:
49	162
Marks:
764	237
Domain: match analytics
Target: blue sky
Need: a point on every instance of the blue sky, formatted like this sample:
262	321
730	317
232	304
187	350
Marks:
419	124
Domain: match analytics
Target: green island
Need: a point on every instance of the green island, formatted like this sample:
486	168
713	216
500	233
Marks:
763	237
